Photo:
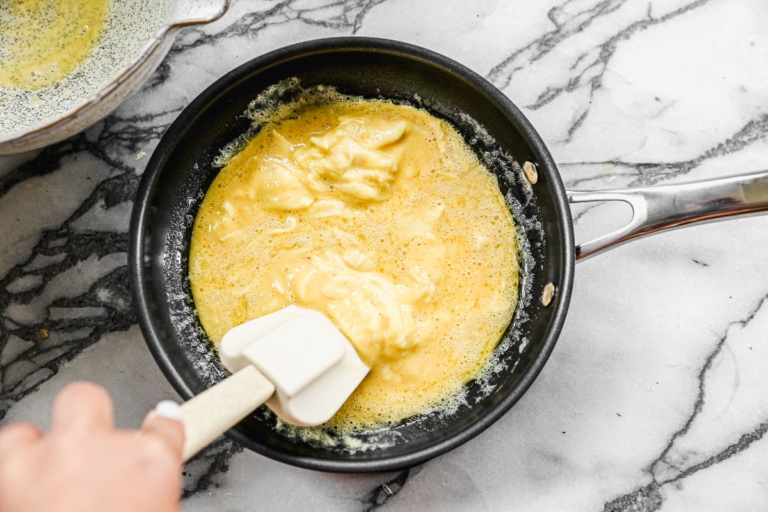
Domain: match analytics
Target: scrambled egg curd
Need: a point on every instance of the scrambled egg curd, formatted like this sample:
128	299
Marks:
381	217
42	41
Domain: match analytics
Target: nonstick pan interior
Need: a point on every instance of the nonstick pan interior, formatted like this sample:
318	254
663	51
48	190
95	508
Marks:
181	169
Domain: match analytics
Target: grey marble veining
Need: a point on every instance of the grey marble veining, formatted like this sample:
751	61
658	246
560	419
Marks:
656	397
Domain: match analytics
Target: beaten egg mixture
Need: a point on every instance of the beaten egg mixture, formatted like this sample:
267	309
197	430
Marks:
42	41
381	217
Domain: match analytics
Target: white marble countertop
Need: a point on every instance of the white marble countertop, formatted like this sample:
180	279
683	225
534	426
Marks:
656	395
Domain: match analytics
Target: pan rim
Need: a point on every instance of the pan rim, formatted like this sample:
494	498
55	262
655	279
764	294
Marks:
160	156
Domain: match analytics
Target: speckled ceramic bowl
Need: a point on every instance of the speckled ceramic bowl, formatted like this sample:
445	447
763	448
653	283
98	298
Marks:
138	35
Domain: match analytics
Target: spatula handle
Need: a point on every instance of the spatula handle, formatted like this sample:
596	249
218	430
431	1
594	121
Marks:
221	407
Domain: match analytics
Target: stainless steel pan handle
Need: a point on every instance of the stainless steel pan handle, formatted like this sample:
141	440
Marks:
671	206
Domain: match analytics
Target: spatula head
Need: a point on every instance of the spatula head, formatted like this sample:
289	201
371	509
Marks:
313	366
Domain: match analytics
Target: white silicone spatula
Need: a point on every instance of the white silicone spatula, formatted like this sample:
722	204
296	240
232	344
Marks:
295	360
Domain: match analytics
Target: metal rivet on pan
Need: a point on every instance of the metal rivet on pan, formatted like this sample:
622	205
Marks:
548	294
531	174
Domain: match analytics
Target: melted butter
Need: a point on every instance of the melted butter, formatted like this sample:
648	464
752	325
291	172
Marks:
42	41
379	216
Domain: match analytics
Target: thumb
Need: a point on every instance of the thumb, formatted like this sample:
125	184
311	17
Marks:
164	422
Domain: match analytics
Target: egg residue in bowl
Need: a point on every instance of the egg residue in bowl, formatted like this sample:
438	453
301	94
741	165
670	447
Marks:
380	216
71	61
42	41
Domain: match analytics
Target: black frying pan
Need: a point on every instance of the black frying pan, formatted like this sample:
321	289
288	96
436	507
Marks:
181	169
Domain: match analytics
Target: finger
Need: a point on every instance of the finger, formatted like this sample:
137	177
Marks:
82	404
164	422
17	436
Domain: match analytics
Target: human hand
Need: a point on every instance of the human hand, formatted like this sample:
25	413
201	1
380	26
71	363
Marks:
85	465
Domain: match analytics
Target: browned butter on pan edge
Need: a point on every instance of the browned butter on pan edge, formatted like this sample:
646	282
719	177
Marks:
380	216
